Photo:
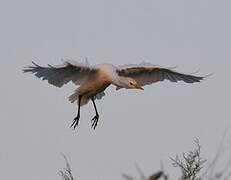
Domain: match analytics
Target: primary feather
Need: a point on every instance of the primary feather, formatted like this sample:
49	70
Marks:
61	74
146	73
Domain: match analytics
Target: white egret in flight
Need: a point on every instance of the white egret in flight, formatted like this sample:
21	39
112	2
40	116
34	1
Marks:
93	80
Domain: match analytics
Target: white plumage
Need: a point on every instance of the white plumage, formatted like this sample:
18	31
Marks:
93	80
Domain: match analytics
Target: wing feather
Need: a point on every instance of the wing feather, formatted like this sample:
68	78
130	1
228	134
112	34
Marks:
146	73
61	74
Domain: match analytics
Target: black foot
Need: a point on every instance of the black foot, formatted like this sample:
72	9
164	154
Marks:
95	121
75	122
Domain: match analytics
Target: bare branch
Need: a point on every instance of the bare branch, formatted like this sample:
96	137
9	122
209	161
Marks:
66	173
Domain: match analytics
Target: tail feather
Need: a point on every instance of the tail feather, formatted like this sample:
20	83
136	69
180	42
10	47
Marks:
75	96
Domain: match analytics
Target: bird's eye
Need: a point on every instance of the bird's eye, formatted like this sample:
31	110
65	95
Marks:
131	83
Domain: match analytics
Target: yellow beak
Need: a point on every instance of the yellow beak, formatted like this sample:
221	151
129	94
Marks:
138	87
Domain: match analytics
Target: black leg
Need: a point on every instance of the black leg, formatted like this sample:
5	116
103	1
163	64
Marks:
76	120
96	118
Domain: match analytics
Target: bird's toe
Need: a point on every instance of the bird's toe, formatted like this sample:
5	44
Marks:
75	122
95	121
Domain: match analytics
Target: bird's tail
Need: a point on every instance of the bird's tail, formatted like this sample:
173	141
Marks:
75	96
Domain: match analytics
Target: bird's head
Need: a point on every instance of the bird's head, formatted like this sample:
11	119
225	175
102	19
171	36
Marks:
128	83
133	84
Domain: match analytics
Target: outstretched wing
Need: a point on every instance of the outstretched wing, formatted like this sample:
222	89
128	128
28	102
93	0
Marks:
146	73
61	74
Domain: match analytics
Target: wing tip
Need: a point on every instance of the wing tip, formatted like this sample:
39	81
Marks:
208	75
35	64
201	78
30	68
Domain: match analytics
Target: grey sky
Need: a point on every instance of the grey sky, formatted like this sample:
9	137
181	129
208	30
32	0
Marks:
134	126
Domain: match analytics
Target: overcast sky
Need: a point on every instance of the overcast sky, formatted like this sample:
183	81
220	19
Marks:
135	126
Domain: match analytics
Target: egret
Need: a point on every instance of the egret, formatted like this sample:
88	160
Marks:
93	80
